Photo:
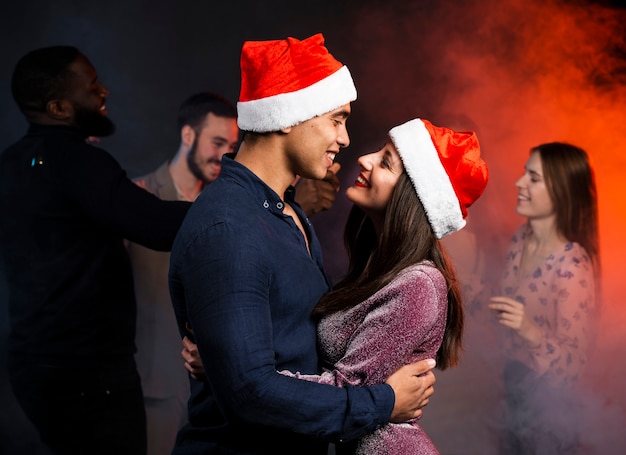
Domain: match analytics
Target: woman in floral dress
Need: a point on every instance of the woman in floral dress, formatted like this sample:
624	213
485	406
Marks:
548	300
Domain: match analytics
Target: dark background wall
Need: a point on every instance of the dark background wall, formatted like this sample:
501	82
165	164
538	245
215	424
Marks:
518	72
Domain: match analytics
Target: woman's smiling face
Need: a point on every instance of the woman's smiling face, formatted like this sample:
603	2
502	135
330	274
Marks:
533	198
379	175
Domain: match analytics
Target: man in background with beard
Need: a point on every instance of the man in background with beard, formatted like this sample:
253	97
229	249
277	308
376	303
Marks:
65	209
208	129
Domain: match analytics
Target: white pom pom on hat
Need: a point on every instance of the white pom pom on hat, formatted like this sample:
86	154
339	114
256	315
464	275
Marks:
286	82
446	170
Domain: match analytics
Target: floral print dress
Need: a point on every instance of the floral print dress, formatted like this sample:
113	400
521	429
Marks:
559	297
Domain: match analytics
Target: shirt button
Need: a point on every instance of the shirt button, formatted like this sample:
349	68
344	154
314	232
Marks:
266	204
280	206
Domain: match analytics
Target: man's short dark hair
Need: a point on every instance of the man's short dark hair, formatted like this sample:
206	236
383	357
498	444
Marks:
194	109
41	76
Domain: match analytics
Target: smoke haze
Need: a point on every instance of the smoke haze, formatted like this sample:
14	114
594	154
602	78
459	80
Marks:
519	73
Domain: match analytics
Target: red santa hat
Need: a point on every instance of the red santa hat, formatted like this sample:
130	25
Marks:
445	168
286	82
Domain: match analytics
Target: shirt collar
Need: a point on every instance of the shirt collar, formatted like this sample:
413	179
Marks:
264	195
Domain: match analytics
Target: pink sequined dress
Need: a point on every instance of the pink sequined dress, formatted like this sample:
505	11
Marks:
401	323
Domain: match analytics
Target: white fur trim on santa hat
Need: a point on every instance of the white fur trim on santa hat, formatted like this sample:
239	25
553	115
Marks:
432	184
288	109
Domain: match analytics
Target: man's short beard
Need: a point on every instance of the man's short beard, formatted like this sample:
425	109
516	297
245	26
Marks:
193	166
92	123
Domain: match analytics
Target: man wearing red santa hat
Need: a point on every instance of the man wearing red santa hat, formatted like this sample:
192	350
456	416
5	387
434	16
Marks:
246	271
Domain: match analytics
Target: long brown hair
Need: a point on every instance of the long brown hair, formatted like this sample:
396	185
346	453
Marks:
571	184
407	239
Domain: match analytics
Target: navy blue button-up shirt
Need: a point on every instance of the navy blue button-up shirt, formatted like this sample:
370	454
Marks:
242	276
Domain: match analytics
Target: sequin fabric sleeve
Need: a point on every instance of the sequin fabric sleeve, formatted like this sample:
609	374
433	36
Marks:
402	323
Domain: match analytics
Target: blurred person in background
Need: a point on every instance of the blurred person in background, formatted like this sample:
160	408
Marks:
548	300
66	207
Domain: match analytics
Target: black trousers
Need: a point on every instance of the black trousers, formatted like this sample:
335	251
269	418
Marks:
79	411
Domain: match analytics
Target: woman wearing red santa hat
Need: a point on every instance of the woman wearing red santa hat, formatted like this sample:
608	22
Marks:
548	299
400	301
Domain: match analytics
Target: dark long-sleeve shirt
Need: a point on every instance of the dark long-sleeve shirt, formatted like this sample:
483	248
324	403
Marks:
65	208
241	274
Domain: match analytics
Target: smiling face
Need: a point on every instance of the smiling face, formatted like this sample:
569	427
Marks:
311	146
87	97
533	200
216	137
379	175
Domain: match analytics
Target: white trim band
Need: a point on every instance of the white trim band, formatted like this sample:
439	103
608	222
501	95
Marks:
432	184
288	109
